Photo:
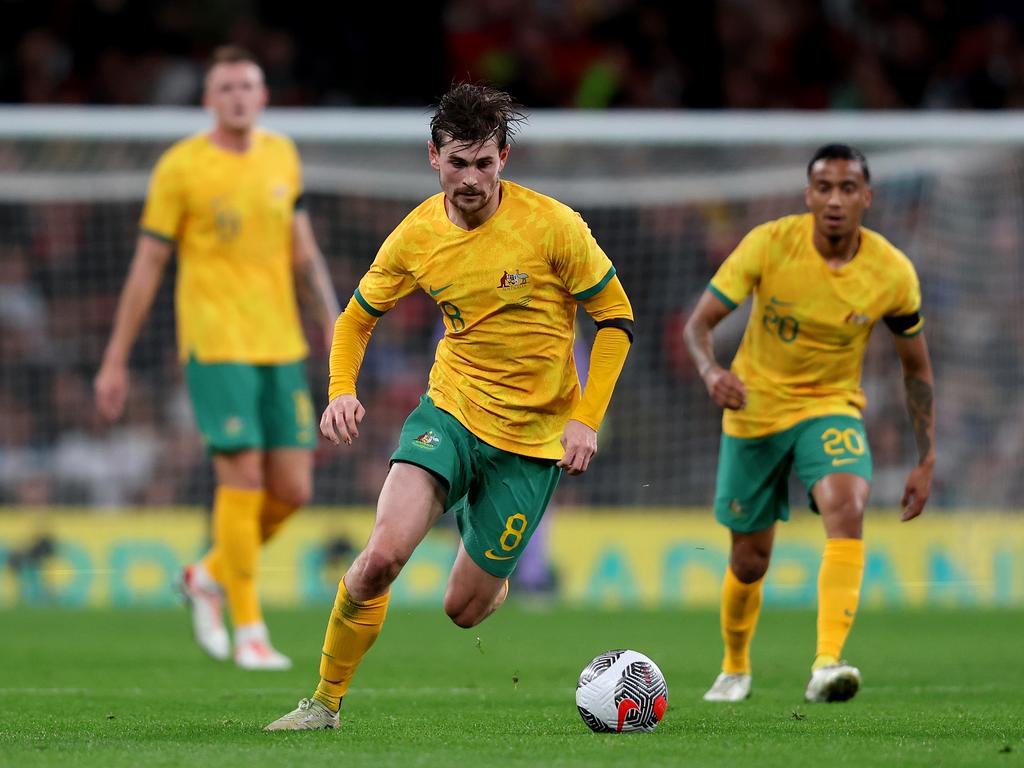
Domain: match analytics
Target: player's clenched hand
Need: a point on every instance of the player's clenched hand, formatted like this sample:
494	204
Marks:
340	422
580	443
916	492
111	389
725	388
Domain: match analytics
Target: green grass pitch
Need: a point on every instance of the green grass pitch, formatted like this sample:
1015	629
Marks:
128	688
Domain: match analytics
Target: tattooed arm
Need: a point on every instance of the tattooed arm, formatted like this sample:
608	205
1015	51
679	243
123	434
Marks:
919	385
312	279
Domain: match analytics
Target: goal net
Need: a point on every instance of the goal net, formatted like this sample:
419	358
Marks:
667	196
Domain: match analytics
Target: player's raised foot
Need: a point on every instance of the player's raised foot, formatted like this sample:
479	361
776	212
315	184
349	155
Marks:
729	688
834	682
310	715
207	606
254	651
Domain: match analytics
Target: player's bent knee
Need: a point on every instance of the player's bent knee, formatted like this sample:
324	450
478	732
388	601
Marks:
749	571
294	495
849	508
844	516
380	567
469	610
466	615
465	620
749	562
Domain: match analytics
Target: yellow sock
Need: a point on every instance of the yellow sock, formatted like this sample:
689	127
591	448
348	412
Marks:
351	631
234	560
273	515
741	605
842	569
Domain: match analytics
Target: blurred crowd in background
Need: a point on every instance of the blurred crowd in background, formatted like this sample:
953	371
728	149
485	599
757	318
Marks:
747	54
62	264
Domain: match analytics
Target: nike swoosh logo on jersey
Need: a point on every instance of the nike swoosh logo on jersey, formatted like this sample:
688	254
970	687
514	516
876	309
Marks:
433	292
841	462
489	554
779	303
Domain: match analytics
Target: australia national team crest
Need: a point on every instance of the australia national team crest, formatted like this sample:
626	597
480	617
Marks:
514	288
226	219
428	439
513	279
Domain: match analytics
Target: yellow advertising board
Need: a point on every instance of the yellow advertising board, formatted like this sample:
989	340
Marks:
607	558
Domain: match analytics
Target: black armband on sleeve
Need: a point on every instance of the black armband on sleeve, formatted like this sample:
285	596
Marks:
622	323
300	202
903	322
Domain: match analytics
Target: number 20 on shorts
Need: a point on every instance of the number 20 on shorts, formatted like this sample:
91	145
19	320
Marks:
836	442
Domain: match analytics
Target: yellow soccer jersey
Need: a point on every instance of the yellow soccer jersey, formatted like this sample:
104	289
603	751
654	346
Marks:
803	348
508	291
231	216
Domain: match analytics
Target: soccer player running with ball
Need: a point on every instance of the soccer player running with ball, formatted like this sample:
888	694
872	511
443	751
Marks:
230	202
792	399
502	416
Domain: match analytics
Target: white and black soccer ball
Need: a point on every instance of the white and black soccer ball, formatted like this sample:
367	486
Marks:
621	691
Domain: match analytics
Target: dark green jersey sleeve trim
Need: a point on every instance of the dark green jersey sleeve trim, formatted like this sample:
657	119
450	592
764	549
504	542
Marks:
622	323
366	305
590	292
903	323
157	236
722	297
300	202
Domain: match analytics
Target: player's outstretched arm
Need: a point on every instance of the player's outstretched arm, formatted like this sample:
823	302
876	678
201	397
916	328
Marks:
144	275
312	278
344	412
919	385
724	387
613	316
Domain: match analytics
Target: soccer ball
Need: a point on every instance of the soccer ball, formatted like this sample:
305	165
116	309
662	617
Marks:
621	691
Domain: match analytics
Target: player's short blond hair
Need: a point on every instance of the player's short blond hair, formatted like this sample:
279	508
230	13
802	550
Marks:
230	54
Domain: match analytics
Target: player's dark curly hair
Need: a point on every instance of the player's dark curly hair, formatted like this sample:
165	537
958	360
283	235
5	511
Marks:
471	113
840	152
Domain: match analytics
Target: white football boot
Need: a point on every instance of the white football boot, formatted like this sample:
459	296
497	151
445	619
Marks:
254	651
207	605
310	715
729	688
835	682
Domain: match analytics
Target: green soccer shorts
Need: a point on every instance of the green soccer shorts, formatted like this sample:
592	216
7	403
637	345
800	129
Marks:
240	406
498	497
752	487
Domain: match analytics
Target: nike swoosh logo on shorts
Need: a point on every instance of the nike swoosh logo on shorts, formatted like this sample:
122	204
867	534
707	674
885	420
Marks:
433	292
841	462
489	554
